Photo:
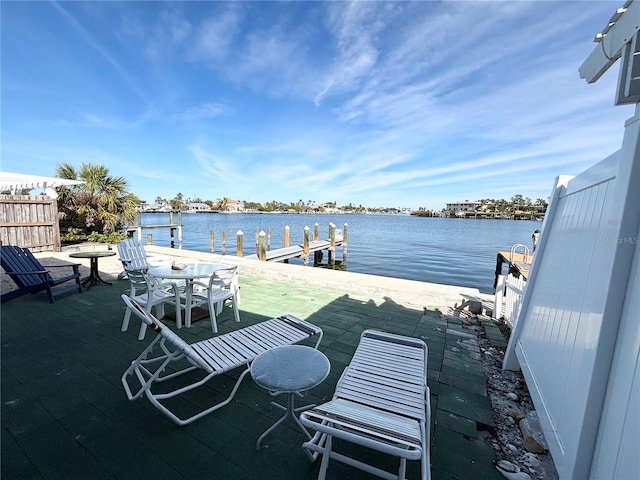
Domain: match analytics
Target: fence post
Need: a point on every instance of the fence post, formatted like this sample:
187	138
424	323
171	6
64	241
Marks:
497	304
262	246
239	236
211	241
305	246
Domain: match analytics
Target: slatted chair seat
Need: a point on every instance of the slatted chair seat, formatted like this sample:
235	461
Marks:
381	402
212	357
31	277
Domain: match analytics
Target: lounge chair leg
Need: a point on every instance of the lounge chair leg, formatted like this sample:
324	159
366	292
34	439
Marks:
325	458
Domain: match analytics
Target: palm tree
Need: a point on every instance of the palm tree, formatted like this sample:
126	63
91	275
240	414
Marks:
101	204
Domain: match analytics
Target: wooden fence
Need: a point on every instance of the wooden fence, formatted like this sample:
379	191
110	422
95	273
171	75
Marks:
29	221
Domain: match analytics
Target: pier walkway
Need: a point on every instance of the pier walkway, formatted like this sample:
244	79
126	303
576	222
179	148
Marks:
295	251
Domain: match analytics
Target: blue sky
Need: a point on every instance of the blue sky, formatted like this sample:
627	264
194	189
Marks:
374	103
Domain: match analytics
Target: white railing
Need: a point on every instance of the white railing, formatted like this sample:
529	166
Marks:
508	298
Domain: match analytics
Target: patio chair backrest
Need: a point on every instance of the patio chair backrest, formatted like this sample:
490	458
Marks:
170	337
17	259
133	255
224	277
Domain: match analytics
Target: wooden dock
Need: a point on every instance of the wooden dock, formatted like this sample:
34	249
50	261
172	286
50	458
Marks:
296	251
519	264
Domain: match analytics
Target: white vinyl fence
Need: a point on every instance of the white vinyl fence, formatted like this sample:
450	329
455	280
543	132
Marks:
572	316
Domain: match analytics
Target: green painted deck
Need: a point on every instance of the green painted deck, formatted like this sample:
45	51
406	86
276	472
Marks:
65	414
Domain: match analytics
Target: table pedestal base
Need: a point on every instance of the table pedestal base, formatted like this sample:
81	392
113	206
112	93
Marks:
290	412
94	275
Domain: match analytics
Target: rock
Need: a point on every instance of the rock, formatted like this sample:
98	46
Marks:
533	438
512	448
531	460
512	396
507	466
511	471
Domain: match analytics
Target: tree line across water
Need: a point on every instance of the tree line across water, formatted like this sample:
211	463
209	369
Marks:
102	205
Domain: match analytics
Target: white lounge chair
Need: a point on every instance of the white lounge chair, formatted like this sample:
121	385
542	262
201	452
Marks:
133	257
381	402
210	357
222	286
150	292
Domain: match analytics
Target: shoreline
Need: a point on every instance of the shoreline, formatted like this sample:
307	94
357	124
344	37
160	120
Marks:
410	292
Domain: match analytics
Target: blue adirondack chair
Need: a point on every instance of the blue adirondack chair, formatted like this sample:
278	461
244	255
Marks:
31	277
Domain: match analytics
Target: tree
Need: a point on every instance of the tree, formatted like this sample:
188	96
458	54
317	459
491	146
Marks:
101	204
223	204
177	202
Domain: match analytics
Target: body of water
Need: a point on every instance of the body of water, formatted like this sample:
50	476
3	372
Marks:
440	250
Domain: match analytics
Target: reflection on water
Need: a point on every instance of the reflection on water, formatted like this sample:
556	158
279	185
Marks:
440	250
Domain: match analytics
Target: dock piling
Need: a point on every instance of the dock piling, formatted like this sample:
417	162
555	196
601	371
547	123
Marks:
345	232
332	246
239	237
224	243
211	235
262	246
287	234
305	246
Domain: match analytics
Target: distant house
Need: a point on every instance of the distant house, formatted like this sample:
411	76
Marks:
197	207
155	207
465	206
234	205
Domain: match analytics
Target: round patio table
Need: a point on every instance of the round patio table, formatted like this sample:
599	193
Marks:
290	369
94	274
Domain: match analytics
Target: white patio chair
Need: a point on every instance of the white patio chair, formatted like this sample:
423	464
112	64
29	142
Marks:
229	279
134	257
206	359
222	286
381	402
150	292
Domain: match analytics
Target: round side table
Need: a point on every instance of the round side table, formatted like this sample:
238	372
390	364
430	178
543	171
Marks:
94	275
291	369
